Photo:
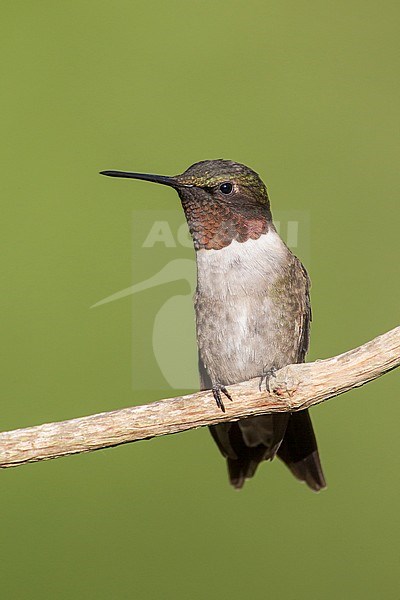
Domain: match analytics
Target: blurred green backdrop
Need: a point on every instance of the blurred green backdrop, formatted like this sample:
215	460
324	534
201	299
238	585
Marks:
307	93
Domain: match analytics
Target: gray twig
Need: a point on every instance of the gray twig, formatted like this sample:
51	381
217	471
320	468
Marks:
295	387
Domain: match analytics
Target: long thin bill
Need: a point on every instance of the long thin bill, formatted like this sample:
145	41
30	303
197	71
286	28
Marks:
164	180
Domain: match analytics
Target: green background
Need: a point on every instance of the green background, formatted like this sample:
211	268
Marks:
307	93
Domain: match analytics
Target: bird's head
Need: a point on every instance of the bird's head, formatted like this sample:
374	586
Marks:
223	201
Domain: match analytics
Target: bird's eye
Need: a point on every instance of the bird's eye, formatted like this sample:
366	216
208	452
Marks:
226	187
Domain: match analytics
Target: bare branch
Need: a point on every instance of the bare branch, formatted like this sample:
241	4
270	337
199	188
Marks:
295	387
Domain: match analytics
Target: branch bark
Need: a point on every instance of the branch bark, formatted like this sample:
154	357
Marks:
294	387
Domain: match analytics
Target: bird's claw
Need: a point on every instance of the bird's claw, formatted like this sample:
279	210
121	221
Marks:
267	376
216	390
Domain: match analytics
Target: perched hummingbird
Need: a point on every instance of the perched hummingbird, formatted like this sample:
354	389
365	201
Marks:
252	310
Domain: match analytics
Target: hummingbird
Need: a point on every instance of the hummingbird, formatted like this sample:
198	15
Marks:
253	311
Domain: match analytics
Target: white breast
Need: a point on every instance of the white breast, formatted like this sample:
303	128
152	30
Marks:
236	313
240	267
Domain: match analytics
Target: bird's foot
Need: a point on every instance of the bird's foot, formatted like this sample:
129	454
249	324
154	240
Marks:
267	376
217	388
284	385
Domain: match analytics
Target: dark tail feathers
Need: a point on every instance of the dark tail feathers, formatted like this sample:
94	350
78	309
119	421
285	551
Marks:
291	436
299	451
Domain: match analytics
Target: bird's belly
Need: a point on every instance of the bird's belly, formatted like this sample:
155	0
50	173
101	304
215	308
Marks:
247	309
241	337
